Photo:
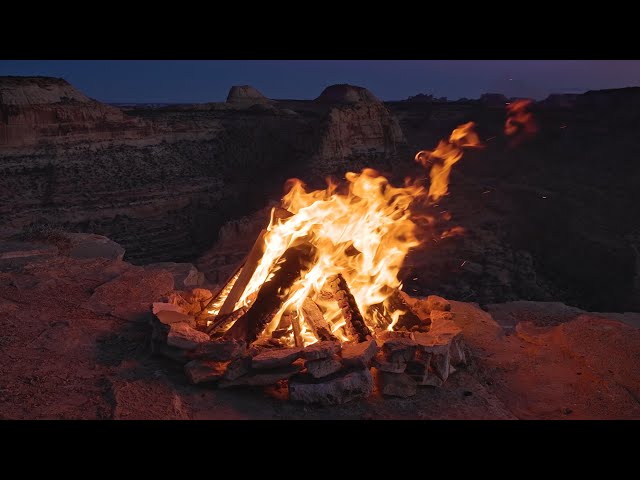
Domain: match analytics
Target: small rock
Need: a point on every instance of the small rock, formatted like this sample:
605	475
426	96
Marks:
438	348
159	347
389	334
262	377
467	393
335	390
399	350
277	357
323	367
169	317
183	336
238	367
397	384
200	371
359	355
567	411
161	306
220	350
381	363
421	373
321	350
434	302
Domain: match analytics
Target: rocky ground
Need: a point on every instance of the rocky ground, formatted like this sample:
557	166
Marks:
75	344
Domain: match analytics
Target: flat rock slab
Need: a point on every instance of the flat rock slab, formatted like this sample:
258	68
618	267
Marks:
399	350
421	372
359	355
321	350
162	306
220	350
277	357
336	390
261	378
323	367
169	317
183	336
397	384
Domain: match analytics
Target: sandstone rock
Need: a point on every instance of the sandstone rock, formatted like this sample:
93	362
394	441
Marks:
238	367
201	371
435	302
397	384
438	348
447	331
334	390
161	306
245	95
183	336
385	335
169	317
20	253
421	372
220	349
321	350
383	364
359	355
399	350
262	377
323	367
276	357
184	274
88	245
159	347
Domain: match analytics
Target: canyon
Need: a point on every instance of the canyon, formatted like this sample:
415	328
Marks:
551	218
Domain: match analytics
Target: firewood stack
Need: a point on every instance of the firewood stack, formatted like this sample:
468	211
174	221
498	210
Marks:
326	372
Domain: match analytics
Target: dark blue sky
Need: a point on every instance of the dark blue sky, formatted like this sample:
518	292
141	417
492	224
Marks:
209	80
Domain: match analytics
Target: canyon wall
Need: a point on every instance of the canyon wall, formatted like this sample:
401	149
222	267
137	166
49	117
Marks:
161	181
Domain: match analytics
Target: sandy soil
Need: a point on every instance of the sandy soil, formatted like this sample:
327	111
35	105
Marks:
59	360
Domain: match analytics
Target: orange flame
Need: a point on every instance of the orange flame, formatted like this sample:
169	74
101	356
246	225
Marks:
362	231
448	153
520	119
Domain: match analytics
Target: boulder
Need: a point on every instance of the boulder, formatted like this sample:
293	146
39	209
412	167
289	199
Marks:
89	245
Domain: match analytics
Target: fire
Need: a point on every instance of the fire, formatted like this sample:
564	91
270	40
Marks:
359	234
520	119
446	154
363	234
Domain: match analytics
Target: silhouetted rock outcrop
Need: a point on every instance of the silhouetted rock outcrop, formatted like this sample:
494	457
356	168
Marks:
345	93
245	95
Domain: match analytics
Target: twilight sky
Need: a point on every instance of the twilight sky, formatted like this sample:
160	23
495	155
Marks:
209	80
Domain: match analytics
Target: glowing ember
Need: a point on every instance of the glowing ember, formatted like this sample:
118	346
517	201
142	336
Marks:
519	119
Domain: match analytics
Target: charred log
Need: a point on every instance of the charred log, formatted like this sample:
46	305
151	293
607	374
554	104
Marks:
355	322
223	321
272	293
314	318
249	268
408	319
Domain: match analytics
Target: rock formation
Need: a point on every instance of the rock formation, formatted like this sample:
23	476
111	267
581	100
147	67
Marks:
38	111
345	93
245	95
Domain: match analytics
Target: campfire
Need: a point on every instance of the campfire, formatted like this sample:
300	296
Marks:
322	283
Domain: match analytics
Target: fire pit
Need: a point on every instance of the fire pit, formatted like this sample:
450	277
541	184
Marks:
318	299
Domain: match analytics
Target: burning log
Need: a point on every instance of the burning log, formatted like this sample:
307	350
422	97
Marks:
217	296
314	318
408	319
272	294
295	325
222	321
250	265
355	323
